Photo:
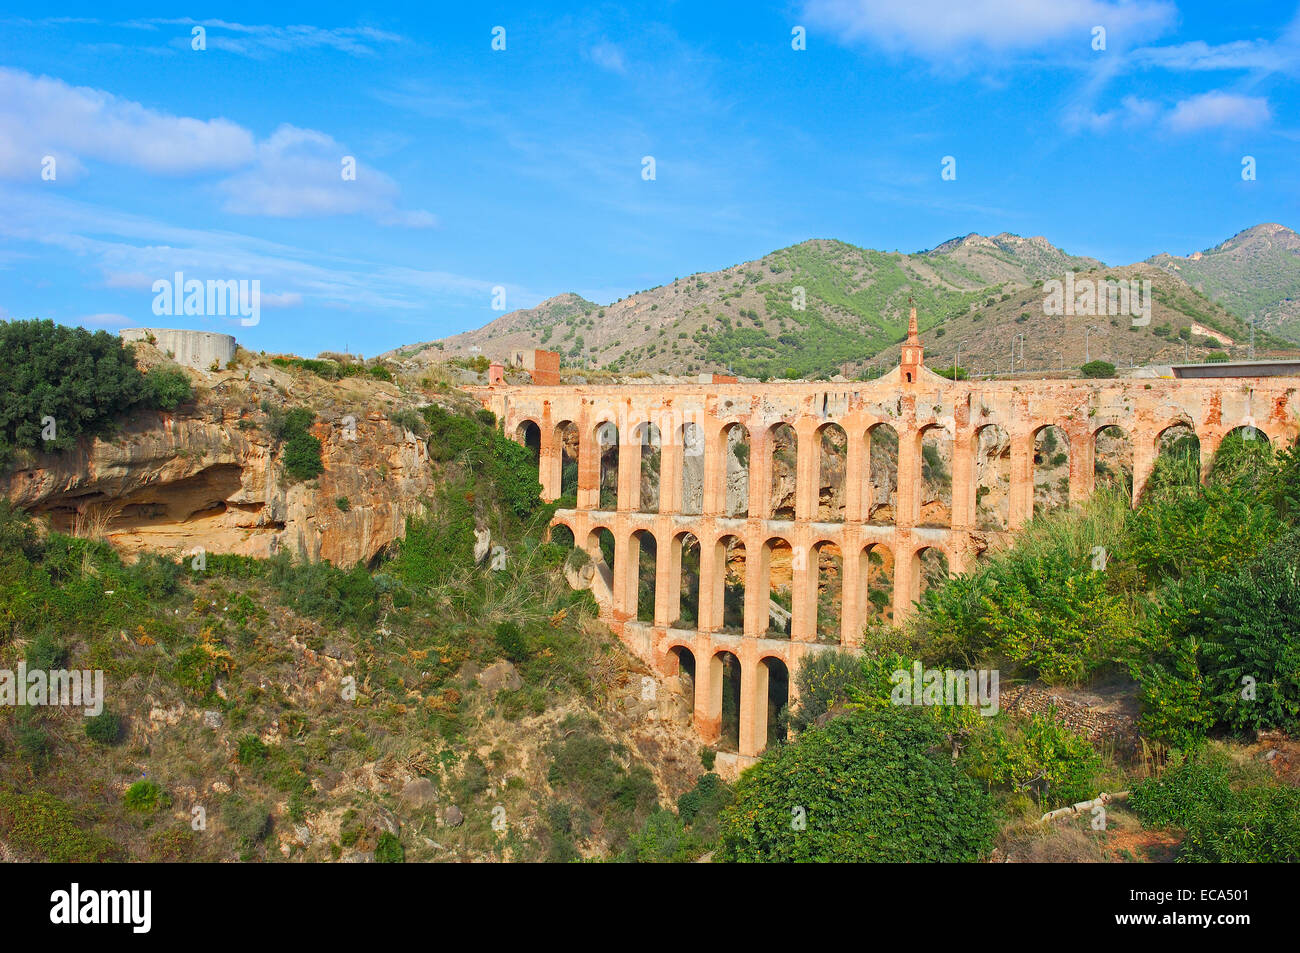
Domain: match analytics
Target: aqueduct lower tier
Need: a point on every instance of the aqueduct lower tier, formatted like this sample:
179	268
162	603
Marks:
614	427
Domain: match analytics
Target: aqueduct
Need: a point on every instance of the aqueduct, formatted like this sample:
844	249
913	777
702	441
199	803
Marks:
691	498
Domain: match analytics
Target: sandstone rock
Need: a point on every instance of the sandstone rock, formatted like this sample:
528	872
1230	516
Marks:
482	543
500	675
452	817
419	792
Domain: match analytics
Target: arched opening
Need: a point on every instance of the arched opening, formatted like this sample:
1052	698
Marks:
1178	460
1112	460
830	591
600	549
692	476
785	459
567	442
686	557
644	553
832	451
725	676
735	440
561	536
882	481
876	583
651	457
530	435
936	477
774	701
1051	469
606	436
779	568
929	570
729	583
1243	452
685	659
992	477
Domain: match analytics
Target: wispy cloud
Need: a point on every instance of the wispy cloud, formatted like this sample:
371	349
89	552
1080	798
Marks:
263	40
608	56
130	252
939	28
1218	110
300	172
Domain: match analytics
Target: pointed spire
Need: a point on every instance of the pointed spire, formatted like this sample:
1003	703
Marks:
911	323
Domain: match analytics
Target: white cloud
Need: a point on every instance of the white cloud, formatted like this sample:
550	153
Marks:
260	40
294	173
608	56
1241	55
42	116
1132	112
939	28
299	172
125	249
1218	110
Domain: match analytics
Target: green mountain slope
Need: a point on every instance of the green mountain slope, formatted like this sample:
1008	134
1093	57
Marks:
1255	274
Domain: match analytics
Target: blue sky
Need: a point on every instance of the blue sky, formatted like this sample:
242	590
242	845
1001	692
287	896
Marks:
523	168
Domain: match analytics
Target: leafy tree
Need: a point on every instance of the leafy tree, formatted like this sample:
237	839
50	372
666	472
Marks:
83	381
1098	368
876	785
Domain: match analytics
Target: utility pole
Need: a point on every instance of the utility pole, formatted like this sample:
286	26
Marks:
955	360
1087	354
1252	337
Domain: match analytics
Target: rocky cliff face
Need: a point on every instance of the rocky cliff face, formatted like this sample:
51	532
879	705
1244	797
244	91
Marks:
211	477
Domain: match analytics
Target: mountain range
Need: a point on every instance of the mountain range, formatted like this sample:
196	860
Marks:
824	307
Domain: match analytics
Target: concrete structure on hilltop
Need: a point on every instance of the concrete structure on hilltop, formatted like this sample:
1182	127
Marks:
197	349
689	500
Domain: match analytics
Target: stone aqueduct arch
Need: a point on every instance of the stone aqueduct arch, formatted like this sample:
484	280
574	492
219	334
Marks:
911	400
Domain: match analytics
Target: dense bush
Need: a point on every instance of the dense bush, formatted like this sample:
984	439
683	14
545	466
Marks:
169	387
875	785
84	381
144	797
1098	369
1230	815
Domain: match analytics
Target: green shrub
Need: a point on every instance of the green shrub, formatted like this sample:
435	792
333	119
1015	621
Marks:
252	750
83	381
144	797
875	785
343	503
1229	814
1098	369
41	827
169	387
389	850
1042	756
106	728
512	641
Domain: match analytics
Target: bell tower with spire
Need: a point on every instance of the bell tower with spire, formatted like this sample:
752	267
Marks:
913	354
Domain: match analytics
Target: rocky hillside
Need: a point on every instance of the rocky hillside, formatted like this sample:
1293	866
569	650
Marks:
325	667
822	308
1255	274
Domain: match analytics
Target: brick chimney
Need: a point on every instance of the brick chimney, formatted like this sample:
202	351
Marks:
913	354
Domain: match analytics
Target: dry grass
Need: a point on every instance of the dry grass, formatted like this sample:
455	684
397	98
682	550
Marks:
92	520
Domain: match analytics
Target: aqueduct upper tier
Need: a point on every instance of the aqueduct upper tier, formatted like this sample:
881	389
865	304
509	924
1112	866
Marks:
703	493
